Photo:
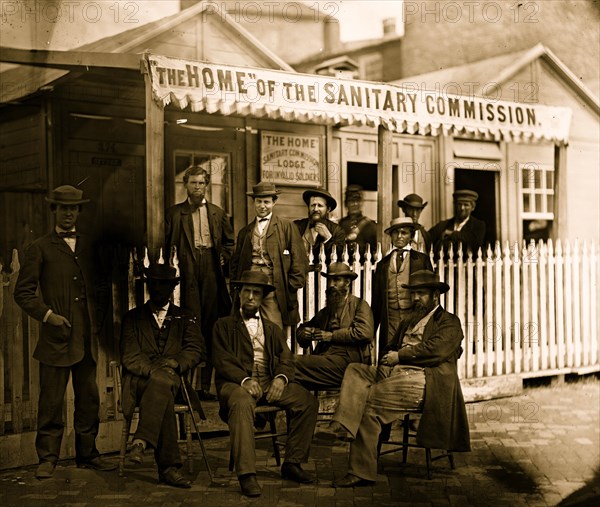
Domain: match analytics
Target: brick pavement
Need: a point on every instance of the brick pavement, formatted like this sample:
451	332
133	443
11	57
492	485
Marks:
531	450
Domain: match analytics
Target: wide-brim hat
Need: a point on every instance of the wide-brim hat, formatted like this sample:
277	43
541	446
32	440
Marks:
264	189
412	200
465	195
162	272
340	269
320	192
425	279
66	194
399	222
250	277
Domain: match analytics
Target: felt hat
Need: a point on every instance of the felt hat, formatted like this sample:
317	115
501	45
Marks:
465	195
425	279
164	272
264	189
66	194
320	192
339	269
399	222
250	277
412	200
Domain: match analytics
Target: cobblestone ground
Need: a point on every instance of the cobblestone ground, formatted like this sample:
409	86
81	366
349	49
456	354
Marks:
537	449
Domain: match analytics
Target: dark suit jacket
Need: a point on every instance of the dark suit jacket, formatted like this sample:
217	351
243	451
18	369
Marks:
290	265
233	355
50	264
379	296
180	233
354	336
444	423
367	234
338	239
139	350
472	236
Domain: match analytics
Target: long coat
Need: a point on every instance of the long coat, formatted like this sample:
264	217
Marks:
233	355
379	292
472	236
290	264
338	238
140	353
180	233
64	277
444	423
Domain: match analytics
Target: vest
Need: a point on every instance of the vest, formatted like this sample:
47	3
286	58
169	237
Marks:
260	256
398	297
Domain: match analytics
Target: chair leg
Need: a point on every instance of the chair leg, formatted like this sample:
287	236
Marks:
273	427
428	459
123	446
405	435
188	442
230	461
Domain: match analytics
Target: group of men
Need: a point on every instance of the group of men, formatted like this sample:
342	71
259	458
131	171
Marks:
240	331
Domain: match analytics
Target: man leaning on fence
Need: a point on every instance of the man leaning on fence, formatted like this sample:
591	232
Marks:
421	359
341	333
71	305
159	343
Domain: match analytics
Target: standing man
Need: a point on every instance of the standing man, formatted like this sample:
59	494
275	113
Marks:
360	230
342	332
255	366
204	239
412	206
422	359
71	305
461	228
392	303
272	245
159	343
317	229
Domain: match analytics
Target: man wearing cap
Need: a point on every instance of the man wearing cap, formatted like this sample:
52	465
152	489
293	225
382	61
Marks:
421	359
272	245
71	304
159	343
253	366
317	229
360	230
391	302
412	206
341	333
463	228
204	239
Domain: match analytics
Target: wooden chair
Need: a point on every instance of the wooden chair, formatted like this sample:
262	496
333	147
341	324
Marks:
405	444
181	410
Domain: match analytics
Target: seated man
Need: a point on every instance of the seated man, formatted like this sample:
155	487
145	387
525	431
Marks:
159	342
343	332
421	359
254	365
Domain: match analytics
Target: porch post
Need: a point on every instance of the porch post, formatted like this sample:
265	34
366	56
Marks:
384	185
155	172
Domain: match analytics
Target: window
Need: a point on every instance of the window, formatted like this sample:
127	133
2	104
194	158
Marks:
537	190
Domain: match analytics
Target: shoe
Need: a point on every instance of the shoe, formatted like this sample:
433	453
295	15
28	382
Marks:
45	470
136	454
249	485
351	481
99	464
294	472
206	396
173	477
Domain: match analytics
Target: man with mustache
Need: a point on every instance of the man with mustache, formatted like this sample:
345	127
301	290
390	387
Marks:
422	358
204	239
317	229
341	333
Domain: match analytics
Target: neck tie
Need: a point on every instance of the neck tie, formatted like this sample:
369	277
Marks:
67	234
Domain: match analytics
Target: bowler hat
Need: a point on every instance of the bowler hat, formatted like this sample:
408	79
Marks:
465	195
399	222
163	272
412	200
339	269
250	277
66	194
425	279
264	189
320	192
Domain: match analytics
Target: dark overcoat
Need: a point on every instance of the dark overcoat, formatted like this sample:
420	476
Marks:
444	423
338	239
472	236
290	264
64	278
140	353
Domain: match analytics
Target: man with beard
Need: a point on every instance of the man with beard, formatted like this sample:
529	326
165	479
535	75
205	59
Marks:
204	239
461	228
422	358
342	331
391	302
317	229
412	206
360	230
253	366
